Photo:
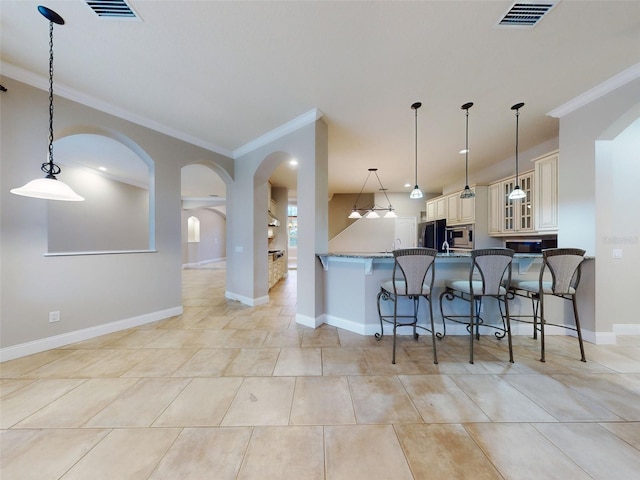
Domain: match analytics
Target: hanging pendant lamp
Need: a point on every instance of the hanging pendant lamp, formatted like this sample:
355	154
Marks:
517	192
49	188
372	212
416	192
467	192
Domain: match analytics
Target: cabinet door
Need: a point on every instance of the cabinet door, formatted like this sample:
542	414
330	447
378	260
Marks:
508	207
496	203
431	210
546	193
468	209
453	209
525	205
441	208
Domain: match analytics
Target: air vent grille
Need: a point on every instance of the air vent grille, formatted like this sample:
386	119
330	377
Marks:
526	15
112	9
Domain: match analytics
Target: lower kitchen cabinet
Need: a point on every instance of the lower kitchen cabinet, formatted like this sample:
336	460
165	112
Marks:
277	269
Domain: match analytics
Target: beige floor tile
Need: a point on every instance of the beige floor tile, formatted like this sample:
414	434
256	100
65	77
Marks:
246	338
23	366
381	399
364	452
273	322
284	338
212	323
444	452
298	362
609	459
439	400
137	338
140	405
44	454
323	336
281	453
174	339
125	454
629	432
210	362
322	401
70	366
117	363
28	400
344	361
519	451
564	403
500	401
162	362
10	385
204	402
76	407
243	323
261	401
253	362
618	359
212	453
379	362
607	392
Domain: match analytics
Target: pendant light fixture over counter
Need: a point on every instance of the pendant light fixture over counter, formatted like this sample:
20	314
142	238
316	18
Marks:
416	192
517	192
49	188
467	192
373	211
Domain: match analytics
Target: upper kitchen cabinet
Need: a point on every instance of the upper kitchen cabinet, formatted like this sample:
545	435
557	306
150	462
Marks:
436	209
537	212
461	211
546	193
506	216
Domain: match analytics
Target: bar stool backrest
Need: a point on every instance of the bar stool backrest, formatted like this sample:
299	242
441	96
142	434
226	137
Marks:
492	264
564	265
413	264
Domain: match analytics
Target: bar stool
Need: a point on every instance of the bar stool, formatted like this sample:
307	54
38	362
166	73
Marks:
413	275
563	265
493	266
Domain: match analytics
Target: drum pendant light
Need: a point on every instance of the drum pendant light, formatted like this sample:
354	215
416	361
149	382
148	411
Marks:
416	192
467	192
517	192
49	188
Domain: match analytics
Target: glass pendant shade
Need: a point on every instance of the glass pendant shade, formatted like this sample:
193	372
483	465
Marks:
416	192
467	193
390	213
372	214
517	193
355	214
49	188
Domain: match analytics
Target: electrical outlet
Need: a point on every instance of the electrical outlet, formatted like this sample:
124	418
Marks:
617	253
54	317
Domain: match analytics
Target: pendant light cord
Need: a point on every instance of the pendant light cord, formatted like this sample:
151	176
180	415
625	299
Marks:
50	168
517	127
466	151
416	139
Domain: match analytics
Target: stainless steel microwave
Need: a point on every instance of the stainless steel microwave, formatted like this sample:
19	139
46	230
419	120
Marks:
460	236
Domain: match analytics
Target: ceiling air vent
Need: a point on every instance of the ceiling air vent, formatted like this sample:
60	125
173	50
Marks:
112	9
525	14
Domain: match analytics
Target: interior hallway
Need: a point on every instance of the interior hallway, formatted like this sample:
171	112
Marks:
227	391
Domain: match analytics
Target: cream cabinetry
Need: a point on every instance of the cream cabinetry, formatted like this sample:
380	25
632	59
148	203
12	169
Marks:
277	269
508	216
461	211
436	209
546	193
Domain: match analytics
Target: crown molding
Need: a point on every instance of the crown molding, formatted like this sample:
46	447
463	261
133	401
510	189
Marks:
42	83
598	91
279	132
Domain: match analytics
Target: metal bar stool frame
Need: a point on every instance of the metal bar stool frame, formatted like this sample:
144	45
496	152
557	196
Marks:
413	277
475	290
564	266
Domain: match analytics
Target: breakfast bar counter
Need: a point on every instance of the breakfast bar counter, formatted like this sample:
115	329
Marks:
352	282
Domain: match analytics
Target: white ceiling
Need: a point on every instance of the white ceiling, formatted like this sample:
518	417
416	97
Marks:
222	74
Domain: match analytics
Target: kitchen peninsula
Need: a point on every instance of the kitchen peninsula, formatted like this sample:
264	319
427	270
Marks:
352	282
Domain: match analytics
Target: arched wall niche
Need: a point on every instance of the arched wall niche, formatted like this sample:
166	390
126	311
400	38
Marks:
117	178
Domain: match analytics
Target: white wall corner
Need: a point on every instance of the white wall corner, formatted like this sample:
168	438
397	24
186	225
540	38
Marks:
310	322
252	302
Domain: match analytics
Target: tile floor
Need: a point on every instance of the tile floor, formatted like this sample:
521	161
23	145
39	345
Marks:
227	391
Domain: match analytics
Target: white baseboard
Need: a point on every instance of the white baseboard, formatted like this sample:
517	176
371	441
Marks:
252	302
203	262
43	344
310	321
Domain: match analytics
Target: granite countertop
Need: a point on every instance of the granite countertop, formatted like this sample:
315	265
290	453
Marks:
390	255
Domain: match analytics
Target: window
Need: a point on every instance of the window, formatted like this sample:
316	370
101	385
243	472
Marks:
292	225
193	230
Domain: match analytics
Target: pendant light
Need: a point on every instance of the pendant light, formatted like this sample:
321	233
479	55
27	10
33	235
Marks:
373	211
467	192
416	192
517	192
49	188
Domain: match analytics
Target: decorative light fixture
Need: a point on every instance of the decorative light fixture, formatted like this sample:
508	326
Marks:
416	192
373	211
467	192
49	187
517	192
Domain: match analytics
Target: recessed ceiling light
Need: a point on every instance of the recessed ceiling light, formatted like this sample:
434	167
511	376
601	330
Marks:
463	151
293	162
407	185
102	169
